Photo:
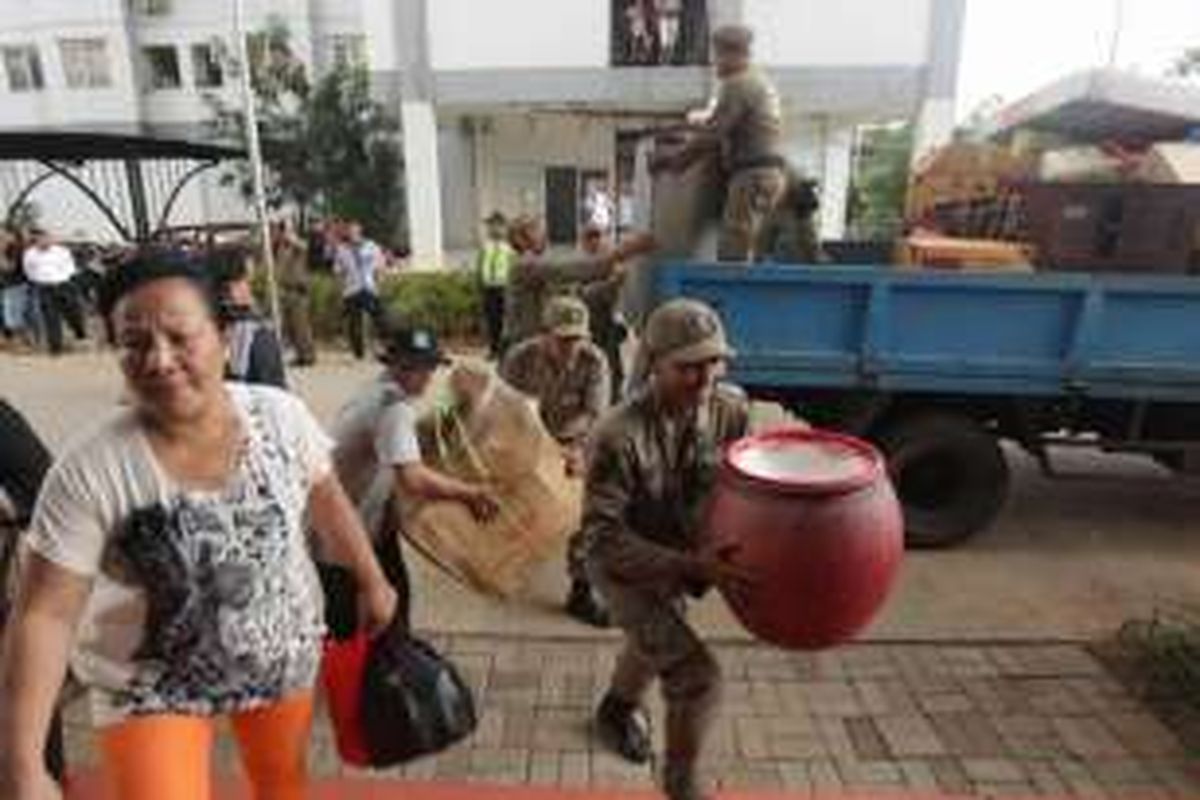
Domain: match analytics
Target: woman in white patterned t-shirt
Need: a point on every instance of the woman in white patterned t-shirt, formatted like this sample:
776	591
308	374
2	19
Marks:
169	565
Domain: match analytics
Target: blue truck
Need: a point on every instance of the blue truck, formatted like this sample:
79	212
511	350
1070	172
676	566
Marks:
938	368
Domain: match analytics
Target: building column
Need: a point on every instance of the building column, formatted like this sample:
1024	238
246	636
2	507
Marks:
422	182
836	169
934	123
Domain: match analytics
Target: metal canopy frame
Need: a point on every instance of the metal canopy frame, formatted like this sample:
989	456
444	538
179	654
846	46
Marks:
59	151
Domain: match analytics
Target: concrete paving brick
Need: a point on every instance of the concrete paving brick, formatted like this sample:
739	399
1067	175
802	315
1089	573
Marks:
1088	738
1030	736
739	776
544	769
968	735
860	775
950	775
831	698
910	735
575	769
1143	734
1045	778
750	734
868	744
994	770
560	730
795	777
824	775
945	703
918	776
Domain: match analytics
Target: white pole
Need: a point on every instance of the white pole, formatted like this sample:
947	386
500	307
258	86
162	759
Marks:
254	146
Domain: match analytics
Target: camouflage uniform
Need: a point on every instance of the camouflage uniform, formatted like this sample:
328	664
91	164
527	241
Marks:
649	477
748	122
534	279
295	284
570	399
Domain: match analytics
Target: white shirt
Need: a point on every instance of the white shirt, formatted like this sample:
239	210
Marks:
373	433
49	266
203	601
357	265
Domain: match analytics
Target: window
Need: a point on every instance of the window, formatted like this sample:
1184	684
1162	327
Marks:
161	64
206	67
23	66
347	50
150	8
649	33
575	199
85	63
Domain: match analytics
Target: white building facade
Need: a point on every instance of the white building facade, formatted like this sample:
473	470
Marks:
521	106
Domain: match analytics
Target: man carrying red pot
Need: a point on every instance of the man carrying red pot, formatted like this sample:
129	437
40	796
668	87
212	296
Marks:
652	465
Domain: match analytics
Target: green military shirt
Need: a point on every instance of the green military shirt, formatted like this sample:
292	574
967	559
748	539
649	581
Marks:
648	480
570	399
534	279
748	121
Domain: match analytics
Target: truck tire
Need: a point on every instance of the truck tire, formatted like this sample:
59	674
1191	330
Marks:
950	476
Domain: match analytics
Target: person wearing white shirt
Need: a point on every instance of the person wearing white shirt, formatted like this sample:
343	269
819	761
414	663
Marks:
377	457
50	270
357	261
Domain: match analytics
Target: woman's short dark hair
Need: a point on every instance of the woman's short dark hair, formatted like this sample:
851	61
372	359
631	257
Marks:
148	267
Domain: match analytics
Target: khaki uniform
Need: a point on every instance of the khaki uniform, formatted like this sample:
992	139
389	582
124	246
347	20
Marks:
295	284
648	479
748	121
570	400
534	279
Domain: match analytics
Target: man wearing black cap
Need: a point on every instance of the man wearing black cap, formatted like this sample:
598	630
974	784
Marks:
745	128
377	456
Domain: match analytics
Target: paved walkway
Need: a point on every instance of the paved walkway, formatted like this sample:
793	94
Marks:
1006	720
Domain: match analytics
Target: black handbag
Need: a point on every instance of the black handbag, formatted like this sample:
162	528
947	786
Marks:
413	702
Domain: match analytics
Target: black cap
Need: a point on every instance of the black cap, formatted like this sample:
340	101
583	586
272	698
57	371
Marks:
412	346
496	218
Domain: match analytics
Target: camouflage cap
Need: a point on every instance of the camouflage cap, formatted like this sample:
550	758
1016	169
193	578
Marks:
685	331
566	317
737	38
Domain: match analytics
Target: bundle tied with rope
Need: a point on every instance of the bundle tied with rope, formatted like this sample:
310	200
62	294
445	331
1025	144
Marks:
489	433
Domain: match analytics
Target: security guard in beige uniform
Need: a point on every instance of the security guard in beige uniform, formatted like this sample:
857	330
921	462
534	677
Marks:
569	377
745	127
651	466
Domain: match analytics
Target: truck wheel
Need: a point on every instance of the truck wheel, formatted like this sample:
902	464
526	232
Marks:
950	476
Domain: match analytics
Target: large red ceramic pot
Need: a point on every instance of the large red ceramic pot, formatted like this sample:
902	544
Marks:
813	516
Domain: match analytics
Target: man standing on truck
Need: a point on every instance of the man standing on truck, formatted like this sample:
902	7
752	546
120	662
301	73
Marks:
652	464
568	376
744	129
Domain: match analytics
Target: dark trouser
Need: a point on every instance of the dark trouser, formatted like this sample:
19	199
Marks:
297	326
58	302
493	318
355	307
659	643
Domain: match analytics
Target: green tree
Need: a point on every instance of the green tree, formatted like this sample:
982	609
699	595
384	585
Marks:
880	183
328	148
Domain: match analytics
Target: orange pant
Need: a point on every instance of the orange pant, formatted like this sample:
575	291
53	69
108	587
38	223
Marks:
167	756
